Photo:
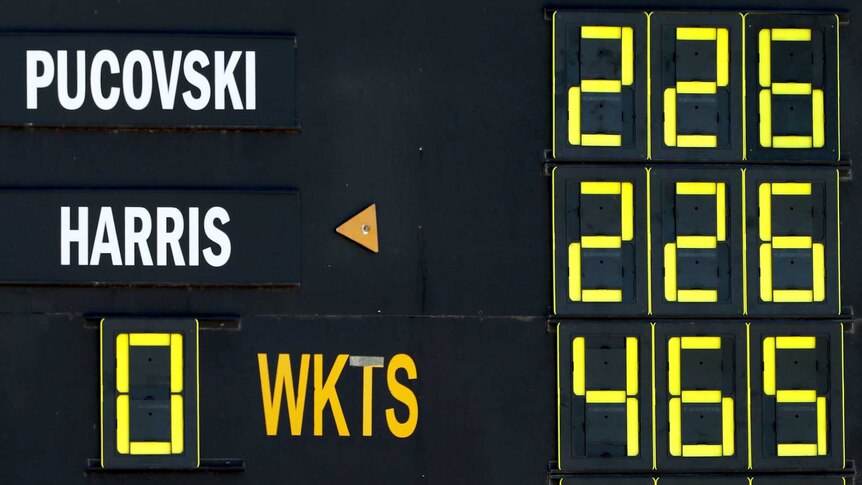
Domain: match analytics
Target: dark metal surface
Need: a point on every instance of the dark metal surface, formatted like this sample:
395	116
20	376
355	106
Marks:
439	112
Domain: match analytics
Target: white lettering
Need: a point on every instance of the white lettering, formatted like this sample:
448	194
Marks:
217	236
224	79
137	103
167	84
102	57
165	238
135	238
197	80
250	81
36	81
131	78
170	227
66	101
106	227
69	236
194	236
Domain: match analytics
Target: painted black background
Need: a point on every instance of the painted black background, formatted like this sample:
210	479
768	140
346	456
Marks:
263	230
438	111
275	80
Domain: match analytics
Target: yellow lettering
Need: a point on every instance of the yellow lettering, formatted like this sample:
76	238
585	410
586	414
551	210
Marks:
403	394
324	392
367	393
295	396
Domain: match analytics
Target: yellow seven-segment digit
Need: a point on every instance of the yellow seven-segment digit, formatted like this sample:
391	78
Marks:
600	32
606	397
602	295
150	448
695	33
670	290
177	444
770	244
627	396
150	339
791	88
695	242
626	38
673	359
720	216
627	56
601	241
722	51
174	342
817	139
176	363
679	397
123	424
818	262
771	347
601	140
695	87
818	128
600	188
792	34
727	424
632	426
574	115
807	343
695	188
675	426
122	353
670	117
695	295
631	366
722	57
601	86
791	188
697	141
791	242
579	363
627	211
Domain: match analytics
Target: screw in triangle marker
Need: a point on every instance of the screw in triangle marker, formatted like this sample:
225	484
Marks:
362	228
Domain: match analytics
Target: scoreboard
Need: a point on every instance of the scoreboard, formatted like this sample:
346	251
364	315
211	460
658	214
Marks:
697	274
433	242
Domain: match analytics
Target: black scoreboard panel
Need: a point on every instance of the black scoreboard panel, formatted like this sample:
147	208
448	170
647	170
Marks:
794	246
696	113
725	241
723	395
697	267
721	86
659	299
796	61
600	85
600	240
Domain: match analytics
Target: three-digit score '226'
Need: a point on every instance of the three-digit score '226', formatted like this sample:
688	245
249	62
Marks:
697	242
725	86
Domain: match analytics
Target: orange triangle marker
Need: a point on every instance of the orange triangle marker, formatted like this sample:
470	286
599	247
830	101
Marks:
362	228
